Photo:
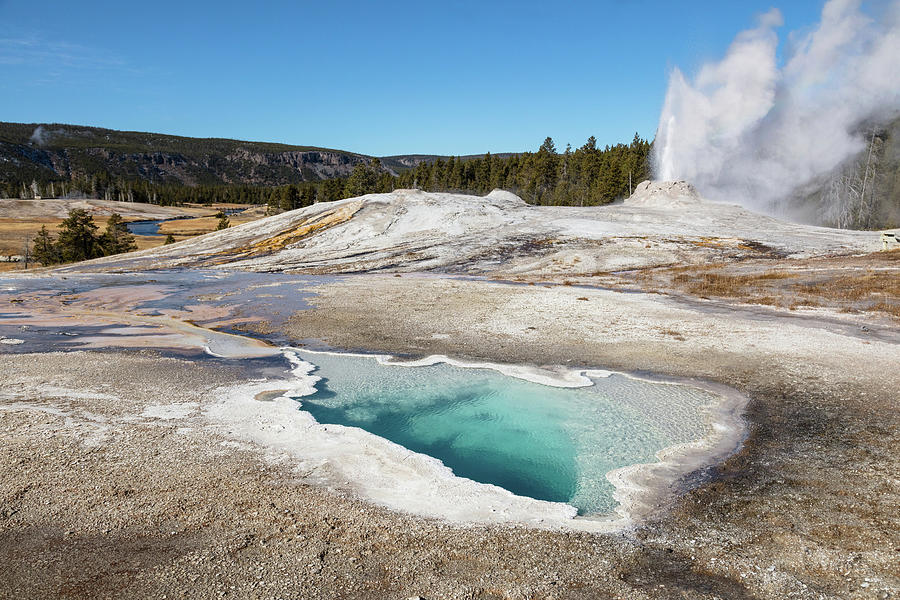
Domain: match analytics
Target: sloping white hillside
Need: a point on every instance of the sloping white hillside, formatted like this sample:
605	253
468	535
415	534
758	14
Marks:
411	230
58	208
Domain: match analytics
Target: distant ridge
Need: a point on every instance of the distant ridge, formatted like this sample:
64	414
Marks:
53	151
46	151
401	162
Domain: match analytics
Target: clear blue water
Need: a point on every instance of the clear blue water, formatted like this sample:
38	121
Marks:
144	227
544	442
151	228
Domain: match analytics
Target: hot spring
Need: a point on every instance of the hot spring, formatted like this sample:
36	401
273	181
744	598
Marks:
543	442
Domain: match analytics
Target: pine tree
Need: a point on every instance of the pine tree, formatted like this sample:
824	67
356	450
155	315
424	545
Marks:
548	146
362	181
308	195
116	239
77	237
44	250
170	239
333	189
546	170
290	197
483	174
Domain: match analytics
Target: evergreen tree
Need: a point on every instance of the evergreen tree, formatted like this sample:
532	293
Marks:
290	197
483	174
333	189
117	239
308	195
170	239
546	171
77	237
44	250
456	182
548	146
362	181
274	202
435	176
223	223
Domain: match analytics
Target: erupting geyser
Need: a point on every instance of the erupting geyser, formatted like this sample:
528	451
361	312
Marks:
748	129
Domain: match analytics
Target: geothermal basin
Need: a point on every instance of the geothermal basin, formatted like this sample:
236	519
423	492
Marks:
437	437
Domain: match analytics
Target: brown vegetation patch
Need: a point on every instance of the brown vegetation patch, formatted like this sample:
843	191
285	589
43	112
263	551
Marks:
707	284
760	248
888	307
853	287
850	284
671	332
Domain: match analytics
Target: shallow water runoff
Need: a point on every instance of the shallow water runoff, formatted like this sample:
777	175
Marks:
544	442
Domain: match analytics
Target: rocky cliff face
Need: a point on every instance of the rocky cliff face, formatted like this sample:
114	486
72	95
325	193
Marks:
312	165
31	151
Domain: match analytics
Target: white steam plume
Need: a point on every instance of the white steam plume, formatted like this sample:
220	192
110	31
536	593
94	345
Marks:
746	130
39	136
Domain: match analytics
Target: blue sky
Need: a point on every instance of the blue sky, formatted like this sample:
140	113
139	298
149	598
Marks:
377	78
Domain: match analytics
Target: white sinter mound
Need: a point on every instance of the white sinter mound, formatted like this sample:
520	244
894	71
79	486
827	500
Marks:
411	230
664	194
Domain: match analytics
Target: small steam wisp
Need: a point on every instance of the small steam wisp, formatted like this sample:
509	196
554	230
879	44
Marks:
39	136
747	130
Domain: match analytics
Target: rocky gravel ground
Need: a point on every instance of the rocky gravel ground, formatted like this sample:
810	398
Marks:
102	500
112	484
807	509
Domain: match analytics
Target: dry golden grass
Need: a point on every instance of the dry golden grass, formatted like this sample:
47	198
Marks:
892	309
671	332
853	287
14	232
199	225
868	283
13	235
153	241
707	284
891	255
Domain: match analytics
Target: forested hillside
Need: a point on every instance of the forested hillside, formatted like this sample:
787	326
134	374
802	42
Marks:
584	177
93	160
68	160
587	176
74	161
